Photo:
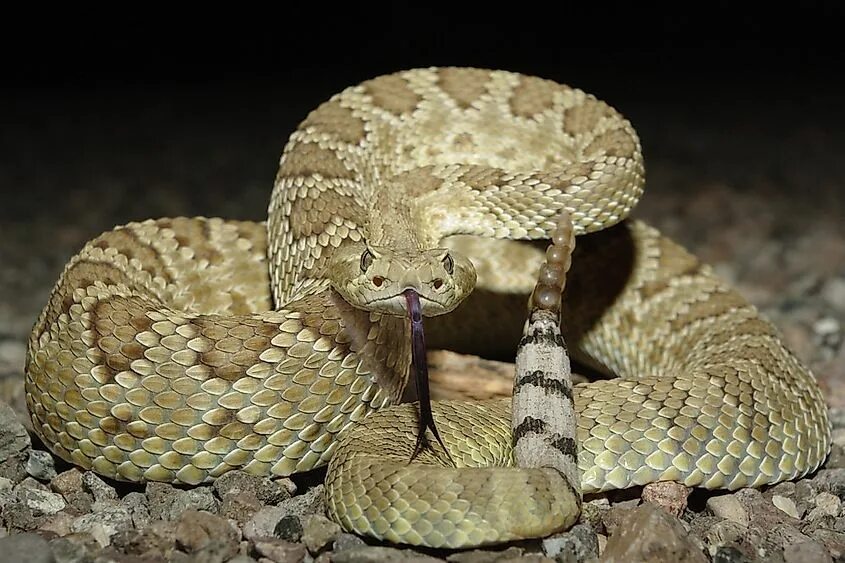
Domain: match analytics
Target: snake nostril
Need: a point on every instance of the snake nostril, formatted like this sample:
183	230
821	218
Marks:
438	283
377	281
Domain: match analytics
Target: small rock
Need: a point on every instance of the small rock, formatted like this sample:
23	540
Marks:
263	523
13	436
67	551
289	528
786	505
311	502
833	541
806	552
99	489
577	544
836	458
280	551
614	517
730	555
31	548
104	524
69	485
6	484
831	481
826	504
208	536
668	495
60	524
510	555
242	559
41	465
240	505
651	534
318	532
166	502
728	507
723	533
373	554
347	541
136	504
41	502
265	490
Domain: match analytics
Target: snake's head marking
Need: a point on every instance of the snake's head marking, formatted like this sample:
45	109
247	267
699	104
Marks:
374	278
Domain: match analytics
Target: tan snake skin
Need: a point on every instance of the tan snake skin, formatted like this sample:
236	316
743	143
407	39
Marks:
179	349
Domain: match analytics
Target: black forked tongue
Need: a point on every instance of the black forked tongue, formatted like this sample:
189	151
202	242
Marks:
419	361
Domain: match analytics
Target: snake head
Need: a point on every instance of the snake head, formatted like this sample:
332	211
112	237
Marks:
374	278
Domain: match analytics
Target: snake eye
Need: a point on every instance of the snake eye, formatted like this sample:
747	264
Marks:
366	260
448	264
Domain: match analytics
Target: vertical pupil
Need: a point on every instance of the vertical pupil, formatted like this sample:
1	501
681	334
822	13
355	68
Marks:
448	264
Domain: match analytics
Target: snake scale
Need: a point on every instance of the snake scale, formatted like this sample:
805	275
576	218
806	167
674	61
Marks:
178	349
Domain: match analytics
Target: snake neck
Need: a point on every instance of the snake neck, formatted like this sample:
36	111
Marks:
382	344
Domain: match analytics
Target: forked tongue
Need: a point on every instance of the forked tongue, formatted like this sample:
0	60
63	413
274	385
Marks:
420	364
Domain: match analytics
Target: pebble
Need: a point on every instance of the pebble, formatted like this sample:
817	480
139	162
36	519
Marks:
668	495
207	536
280	551
104	523
166	502
577	544
650	534
264	489
786	505
728	507
40	464
289	528
375	554
31	548
318	533
13	436
99	489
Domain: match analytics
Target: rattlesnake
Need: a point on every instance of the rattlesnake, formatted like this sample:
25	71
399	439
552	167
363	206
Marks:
178	349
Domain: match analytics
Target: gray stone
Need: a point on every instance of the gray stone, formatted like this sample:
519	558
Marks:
347	541
728	507
650	534
31	548
99	489
836	459
831	481
13	436
69	485
577	544
265	490
67	551
136	503
40	464
207	537
730	555
311	502
373	554
60	524
512	554
40	501
242	559
240	506
318	532
832	540
263	523
280	551
105	523
166	502
806	552
289	528
786	505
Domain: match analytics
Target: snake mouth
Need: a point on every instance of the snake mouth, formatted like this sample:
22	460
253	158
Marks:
398	305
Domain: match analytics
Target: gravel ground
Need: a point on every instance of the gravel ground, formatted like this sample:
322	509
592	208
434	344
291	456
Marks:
754	186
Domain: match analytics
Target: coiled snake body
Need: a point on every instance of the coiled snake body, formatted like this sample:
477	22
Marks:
179	349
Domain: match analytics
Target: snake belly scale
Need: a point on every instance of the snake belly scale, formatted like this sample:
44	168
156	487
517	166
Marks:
178	349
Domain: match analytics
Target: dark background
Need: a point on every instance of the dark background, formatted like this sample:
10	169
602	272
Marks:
108	117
